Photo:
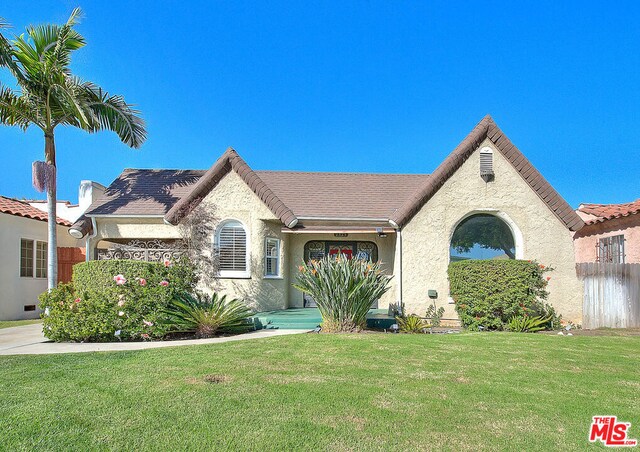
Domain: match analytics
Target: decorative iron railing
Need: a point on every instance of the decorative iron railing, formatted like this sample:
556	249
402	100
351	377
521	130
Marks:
144	250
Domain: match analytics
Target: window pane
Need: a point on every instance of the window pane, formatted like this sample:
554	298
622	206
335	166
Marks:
41	259
232	247
26	258
482	236
272	257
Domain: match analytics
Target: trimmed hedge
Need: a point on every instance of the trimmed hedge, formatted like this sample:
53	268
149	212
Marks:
96	307
487	293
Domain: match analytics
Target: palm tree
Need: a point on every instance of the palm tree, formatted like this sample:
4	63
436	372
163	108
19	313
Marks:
49	95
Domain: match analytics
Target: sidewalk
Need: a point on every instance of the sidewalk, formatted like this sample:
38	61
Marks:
29	340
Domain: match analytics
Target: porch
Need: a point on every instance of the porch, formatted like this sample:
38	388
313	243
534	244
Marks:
309	318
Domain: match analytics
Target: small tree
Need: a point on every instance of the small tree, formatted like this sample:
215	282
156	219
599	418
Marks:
49	96
196	230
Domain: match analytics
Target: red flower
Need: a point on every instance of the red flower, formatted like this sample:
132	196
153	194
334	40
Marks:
77	300
548	278
542	266
164	283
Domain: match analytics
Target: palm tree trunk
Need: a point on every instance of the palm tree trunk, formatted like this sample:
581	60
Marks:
52	246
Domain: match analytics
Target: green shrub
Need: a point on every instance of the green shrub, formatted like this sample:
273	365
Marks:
526	324
344	290
96	307
487	293
206	316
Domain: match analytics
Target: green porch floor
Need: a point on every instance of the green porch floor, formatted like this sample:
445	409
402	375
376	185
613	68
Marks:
309	318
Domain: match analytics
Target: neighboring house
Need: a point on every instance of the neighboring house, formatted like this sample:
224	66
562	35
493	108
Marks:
611	233
485	200
88	192
23	240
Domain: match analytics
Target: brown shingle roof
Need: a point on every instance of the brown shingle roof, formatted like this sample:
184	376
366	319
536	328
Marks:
22	209
230	160
487	128
290	194
604	212
145	192
342	195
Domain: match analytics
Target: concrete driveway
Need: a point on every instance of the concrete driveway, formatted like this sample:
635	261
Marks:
29	340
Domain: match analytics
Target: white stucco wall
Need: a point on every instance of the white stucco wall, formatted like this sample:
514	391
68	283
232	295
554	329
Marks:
426	237
16	291
233	199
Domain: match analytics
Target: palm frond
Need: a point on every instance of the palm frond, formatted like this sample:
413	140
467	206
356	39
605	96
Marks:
114	114
15	110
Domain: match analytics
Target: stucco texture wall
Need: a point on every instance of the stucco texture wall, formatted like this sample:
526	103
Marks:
386	250
20	291
426	238
588	237
233	199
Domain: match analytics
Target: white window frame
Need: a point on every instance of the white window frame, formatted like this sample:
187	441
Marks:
34	259
277	242
230	274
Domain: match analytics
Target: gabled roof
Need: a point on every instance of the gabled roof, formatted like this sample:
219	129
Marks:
487	128
598	213
230	160
22	209
292	195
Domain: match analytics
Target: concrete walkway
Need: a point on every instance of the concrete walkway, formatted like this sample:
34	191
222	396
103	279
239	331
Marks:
29	340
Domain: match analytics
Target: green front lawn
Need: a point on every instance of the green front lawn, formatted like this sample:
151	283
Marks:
331	392
12	323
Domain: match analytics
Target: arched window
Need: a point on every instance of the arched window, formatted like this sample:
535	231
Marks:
482	236
232	250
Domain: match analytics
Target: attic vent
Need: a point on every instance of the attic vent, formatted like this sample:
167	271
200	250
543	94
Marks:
486	164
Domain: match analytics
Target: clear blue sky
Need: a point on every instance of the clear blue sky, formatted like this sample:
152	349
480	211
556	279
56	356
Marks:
386	86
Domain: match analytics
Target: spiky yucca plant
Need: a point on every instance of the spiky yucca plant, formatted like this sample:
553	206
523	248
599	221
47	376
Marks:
412	324
526	324
343	289
206	316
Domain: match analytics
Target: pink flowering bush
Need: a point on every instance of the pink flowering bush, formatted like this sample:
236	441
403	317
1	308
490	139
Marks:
109	297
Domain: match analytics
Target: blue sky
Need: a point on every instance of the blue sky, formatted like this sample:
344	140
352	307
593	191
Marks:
352	86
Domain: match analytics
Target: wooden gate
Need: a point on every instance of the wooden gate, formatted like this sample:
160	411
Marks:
611	295
67	258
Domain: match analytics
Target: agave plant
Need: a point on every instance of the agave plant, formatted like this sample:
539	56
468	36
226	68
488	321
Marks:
412	324
344	290
526	324
206	316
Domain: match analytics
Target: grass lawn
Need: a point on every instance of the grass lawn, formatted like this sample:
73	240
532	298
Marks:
332	392
12	323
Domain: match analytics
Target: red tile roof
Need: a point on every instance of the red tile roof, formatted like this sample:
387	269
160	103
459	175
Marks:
22	209
604	212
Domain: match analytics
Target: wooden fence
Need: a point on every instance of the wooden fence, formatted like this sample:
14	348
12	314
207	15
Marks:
611	295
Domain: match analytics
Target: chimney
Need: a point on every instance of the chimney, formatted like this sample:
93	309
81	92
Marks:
89	191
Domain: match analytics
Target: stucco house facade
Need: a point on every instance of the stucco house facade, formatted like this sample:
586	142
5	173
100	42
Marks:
23	239
611	233
269	222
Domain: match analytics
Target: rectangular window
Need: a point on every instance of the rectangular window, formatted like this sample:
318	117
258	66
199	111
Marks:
41	259
33	258
26	258
611	250
272	257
